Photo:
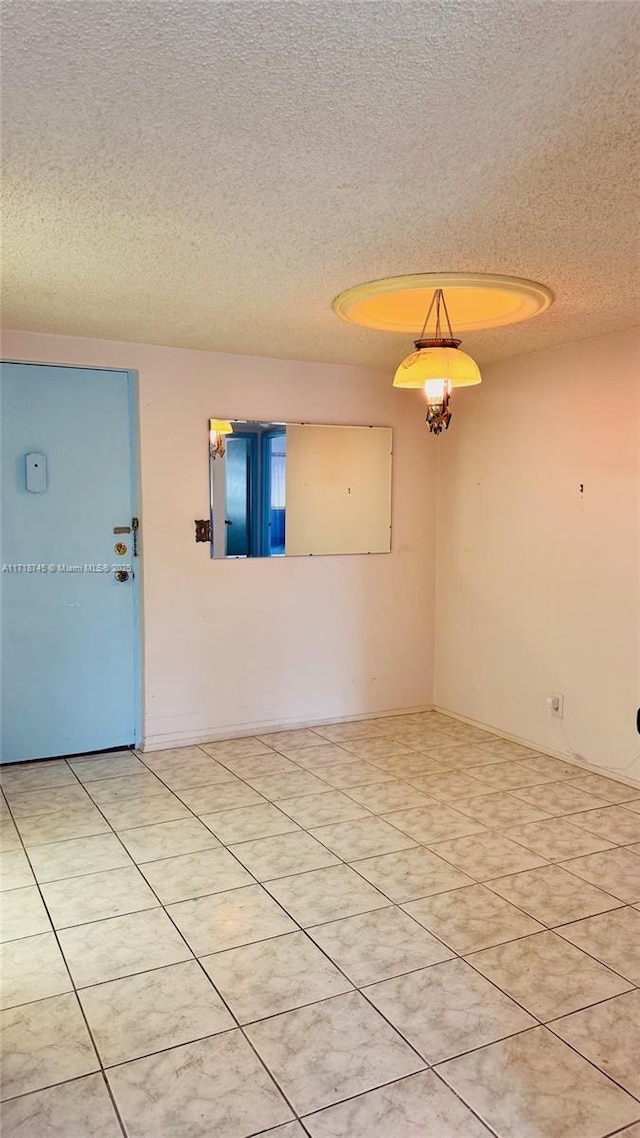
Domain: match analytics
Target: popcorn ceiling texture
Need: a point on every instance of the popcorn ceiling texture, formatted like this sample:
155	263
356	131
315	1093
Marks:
211	175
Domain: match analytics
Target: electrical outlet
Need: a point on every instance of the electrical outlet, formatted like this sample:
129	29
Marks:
555	705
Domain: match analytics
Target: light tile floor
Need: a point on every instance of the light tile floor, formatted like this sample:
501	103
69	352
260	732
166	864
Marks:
397	928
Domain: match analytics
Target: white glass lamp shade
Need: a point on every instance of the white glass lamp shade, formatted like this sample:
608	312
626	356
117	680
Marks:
437	363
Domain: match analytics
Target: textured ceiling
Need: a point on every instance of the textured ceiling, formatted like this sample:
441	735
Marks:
211	174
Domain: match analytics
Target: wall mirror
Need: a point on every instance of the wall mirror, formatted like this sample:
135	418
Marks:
298	489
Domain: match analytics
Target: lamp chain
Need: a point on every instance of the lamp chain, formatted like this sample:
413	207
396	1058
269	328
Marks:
440	304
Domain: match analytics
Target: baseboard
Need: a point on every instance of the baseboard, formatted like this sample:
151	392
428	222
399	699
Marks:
166	740
566	756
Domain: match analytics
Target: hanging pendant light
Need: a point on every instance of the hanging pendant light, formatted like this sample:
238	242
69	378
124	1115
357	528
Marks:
437	365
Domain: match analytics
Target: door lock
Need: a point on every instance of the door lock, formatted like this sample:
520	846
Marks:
122	576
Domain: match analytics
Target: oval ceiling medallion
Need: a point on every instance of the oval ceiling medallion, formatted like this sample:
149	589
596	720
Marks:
474	300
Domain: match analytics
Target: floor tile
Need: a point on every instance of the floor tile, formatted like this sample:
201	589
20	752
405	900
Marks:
609	1036
9	837
195	875
633	805
557	838
508	775
22	914
322	809
152	1011
78	856
282	855
458	756
245	823
534	1086
15	871
175	756
273	976
613	938
552	895
79	1109
227	920
203	771
417	1107
252	766
126	788
352	772
275	786
348	732
414	765
558	797
221	796
614	870
300	737
614	823
449	786
362	838
167	839
45	1042
146	812
606	788
94	896
331	1050
326	895
471	918
422	739
236	748
488	855
465	732
62	826
289	1130
121	946
546	975
24	777
433	823
106	766
375	946
409	874
218	1087
314	758
554	768
387	796
380	748
499	809
36	803
506	749
32	969
182	755
447	1009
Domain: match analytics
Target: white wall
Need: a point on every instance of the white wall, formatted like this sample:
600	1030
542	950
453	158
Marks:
537	582
231	645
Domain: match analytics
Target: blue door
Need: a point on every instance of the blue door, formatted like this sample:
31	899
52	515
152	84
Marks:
69	650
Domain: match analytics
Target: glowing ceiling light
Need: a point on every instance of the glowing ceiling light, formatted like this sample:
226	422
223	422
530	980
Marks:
437	365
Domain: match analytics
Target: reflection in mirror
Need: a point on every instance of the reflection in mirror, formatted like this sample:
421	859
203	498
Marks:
298	489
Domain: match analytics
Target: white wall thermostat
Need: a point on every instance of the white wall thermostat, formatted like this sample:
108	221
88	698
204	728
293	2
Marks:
36	472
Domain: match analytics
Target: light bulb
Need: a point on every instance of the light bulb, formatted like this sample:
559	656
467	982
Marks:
436	390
